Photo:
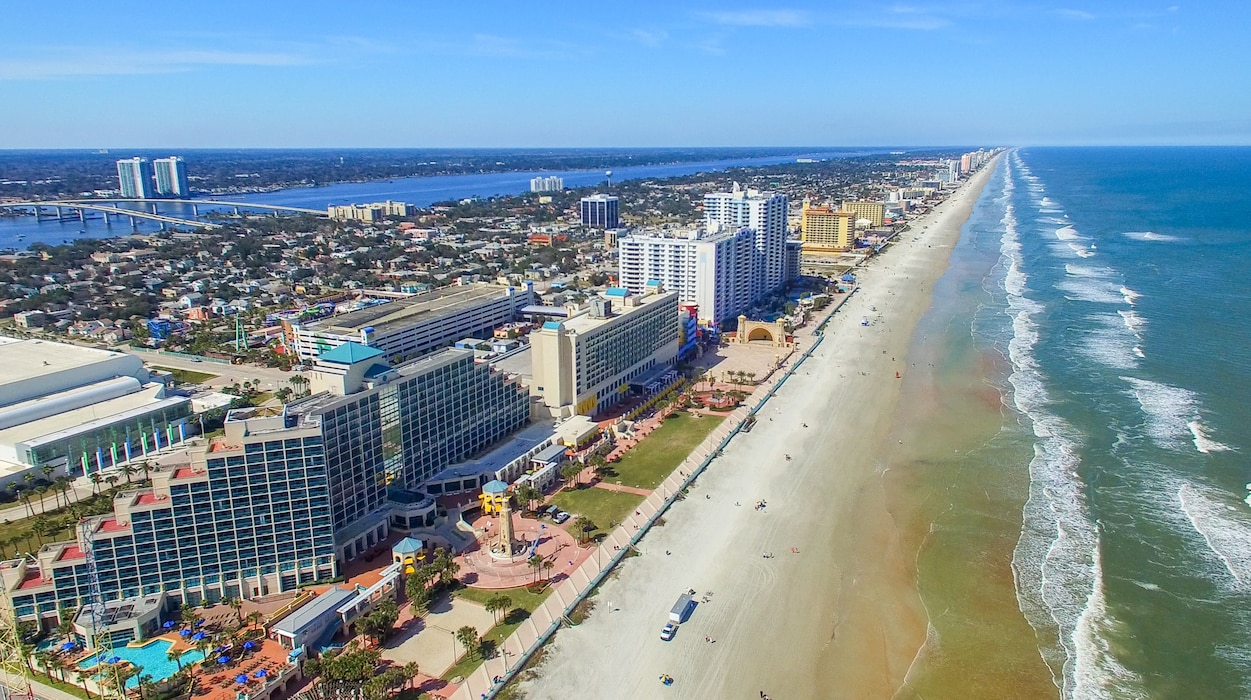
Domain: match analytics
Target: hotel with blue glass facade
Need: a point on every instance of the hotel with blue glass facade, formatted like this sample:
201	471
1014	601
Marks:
287	493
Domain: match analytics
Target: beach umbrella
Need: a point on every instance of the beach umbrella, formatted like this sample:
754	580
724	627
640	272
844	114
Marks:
248	645
67	646
241	679
115	660
184	633
262	673
168	624
198	636
223	660
199	622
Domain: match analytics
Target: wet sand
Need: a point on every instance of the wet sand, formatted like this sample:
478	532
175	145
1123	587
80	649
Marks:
835	612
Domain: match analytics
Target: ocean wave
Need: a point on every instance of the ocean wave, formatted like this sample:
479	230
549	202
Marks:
1138	352
1081	251
1133	321
1055	563
1109	345
1226	531
1131	297
1203	443
1151	236
1068	233
1097	673
1092	290
1172	415
1088	271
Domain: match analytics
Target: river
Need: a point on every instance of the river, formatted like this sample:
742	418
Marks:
20	232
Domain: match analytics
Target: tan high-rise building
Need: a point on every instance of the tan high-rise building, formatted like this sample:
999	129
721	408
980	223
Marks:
822	229
872	211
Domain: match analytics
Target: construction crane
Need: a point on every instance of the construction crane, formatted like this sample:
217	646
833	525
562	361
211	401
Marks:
103	644
14	672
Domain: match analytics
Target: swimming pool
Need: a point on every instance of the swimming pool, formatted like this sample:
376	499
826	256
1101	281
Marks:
152	657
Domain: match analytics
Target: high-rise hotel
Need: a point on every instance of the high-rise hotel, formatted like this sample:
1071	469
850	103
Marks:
765	214
171	177
134	178
287	493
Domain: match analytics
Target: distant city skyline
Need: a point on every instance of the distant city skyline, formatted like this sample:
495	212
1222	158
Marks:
499	75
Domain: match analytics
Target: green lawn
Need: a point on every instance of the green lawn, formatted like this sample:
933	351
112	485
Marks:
187	376
653	459
605	508
523	603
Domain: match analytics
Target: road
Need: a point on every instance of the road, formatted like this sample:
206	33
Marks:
269	378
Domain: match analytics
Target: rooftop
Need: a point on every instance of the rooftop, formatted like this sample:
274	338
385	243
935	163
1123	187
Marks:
349	353
30	359
584	323
406	312
327	602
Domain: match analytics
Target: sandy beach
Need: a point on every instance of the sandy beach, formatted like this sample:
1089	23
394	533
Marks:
834	612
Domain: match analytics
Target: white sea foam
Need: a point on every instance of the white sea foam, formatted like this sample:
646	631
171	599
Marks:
1097	673
1203	443
1170	413
1138	352
1109	344
1151	236
1055	563
1081	251
1068	233
1226	530
1093	290
1088	271
1131	297
1133	321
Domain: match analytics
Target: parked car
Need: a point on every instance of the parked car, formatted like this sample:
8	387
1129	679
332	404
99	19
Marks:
561	517
667	633
551	511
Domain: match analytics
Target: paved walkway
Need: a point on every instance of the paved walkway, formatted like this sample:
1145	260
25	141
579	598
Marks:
556	546
623	489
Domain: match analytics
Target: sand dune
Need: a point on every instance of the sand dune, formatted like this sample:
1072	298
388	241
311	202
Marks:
837	618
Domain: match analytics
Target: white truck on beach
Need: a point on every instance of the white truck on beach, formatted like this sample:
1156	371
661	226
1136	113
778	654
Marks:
682	608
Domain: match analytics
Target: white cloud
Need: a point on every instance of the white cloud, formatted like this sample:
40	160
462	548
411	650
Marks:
70	63
1075	14
649	38
759	18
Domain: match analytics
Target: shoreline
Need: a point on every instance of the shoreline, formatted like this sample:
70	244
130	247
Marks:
839	582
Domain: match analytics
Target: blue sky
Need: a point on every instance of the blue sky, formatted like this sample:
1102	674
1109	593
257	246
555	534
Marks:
499	74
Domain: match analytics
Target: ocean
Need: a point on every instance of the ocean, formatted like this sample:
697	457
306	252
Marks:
1104	288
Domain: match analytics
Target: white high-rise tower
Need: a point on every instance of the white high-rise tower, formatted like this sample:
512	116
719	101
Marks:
765	214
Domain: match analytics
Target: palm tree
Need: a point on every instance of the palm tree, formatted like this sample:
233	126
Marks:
63	484
468	638
492	606
582	525
43	660
253	618
48	471
145	684
129	470
237	606
505	603
175	656
147	469
95	478
411	669
81	677
535	562
111	479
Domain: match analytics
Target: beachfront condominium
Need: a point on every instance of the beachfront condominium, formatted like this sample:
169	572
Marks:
286	494
417	325
872	212
134	178
712	269
547	184
600	211
171	177
764	213
824	229
620	344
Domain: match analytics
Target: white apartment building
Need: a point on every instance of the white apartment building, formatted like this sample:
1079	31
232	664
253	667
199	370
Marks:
711	268
551	183
763	212
621	343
